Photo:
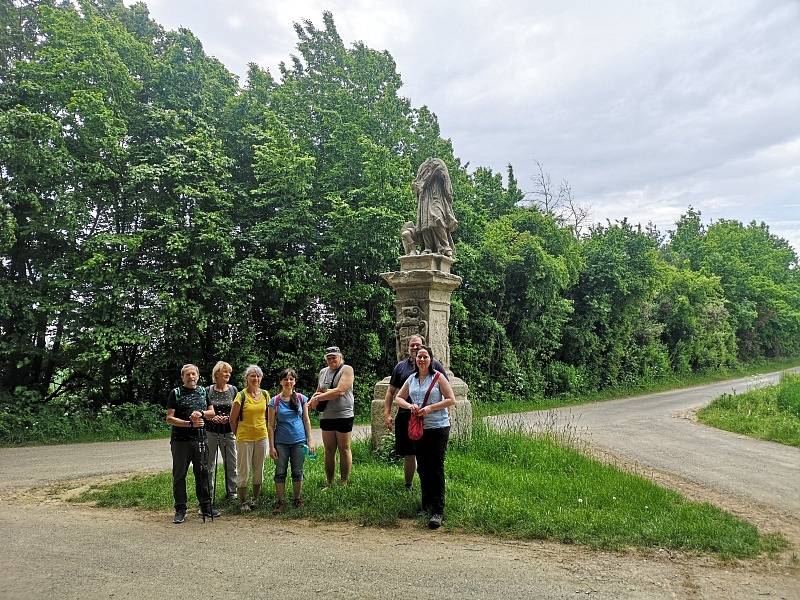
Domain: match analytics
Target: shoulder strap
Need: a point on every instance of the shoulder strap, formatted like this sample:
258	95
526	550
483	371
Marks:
335	373
242	399
434	381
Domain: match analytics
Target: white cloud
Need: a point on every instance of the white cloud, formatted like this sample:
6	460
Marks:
645	107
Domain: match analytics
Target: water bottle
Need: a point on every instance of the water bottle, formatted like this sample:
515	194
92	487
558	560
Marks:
308	453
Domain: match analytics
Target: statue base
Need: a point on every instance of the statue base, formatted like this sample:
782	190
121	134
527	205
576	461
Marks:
423	287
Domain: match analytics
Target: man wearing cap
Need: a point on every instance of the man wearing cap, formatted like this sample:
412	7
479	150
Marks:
403	370
334	398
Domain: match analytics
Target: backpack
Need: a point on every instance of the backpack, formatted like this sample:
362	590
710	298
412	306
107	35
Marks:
243	398
177	392
277	399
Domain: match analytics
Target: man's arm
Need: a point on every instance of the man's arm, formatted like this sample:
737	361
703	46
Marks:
175	421
388	400
345	383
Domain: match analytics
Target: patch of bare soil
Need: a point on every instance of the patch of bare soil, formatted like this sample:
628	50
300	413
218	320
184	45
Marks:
348	561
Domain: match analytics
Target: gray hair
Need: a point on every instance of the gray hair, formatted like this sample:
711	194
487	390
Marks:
253	369
189	367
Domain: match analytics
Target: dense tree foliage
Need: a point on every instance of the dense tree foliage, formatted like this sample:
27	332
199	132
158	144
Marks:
155	211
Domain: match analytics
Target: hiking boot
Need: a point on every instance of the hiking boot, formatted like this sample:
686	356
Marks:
435	522
180	516
244	507
297	502
278	508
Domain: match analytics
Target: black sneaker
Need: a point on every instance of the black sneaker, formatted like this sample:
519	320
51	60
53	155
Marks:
180	517
435	522
212	513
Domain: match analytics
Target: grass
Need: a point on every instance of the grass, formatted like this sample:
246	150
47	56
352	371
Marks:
768	413
485	409
509	485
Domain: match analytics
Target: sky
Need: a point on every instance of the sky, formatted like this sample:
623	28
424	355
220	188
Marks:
644	107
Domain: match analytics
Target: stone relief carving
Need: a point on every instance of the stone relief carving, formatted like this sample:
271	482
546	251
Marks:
407	325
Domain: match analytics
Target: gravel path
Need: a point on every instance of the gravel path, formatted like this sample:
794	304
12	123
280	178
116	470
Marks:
52	549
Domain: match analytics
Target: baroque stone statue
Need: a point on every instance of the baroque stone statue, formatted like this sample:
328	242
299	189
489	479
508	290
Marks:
436	222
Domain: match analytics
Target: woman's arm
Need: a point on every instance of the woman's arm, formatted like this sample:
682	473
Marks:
307	427
402	397
448	398
236	408
271	421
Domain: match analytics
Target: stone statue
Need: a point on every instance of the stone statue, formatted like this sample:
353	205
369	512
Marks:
435	219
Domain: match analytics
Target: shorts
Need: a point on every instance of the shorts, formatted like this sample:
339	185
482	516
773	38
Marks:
340	425
402	445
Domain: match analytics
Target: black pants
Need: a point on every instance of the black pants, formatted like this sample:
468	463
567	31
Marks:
184	452
430	451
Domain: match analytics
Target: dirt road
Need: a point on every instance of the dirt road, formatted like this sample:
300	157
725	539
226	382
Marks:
52	549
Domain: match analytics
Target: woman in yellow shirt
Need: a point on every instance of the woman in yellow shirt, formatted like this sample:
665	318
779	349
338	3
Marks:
249	422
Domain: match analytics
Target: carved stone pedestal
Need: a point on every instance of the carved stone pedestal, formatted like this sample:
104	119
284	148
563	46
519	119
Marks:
423	287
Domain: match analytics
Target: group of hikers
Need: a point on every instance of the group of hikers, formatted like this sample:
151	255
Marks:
243	426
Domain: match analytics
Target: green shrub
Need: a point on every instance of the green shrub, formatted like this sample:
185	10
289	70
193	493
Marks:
788	395
61	421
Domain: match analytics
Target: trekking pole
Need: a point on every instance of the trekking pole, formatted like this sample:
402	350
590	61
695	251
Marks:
225	464
203	447
214	492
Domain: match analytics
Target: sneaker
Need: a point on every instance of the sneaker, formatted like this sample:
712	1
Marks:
180	517
409	487
435	522
232	497
244	507
211	512
278	508
297	502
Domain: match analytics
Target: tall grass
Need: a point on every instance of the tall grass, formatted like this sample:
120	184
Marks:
768	413
509	485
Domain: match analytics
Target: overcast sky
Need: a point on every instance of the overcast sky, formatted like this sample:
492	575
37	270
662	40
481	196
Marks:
644	107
